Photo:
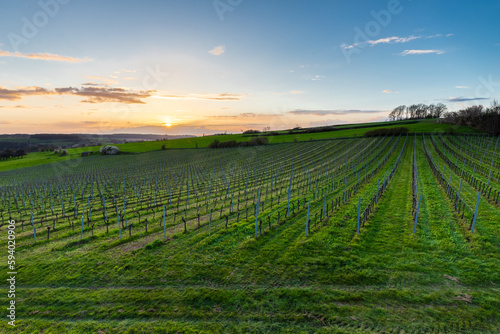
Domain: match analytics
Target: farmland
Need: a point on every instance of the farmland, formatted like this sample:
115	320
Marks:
347	235
428	126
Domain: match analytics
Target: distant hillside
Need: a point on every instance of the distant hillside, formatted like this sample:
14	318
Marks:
49	141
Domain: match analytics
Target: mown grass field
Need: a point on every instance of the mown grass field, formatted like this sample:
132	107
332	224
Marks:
40	158
256	271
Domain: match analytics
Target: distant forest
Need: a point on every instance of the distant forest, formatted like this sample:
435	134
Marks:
486	119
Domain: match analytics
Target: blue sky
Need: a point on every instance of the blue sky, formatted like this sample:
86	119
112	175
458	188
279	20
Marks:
204	66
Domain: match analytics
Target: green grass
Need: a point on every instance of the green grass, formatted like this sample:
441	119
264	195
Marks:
40	158
443	279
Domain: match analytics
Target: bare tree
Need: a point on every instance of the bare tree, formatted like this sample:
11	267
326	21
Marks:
439	110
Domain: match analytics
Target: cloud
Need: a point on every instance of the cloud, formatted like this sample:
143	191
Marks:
17	107
90	94
390	40
465	99
462	87
206	96
387	91
5	122
18	94
125	70
314	77
421	52
244	115
386	40
292	92
218	50
333	112
43	56
106	81
327	122
93	84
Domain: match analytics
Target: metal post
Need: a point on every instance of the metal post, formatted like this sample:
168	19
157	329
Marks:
475	214
458	196
164	226
33	224
307	222
416	216
359	212
257	212
83	216
324	208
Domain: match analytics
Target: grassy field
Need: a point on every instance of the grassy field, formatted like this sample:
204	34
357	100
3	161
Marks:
256	271
40	158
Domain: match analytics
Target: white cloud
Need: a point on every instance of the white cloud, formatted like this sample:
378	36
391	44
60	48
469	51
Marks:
218	50
314	77
462	87
421	52
391	40
386	40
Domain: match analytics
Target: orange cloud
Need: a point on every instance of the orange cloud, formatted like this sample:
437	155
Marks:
217	97
43	56
90	94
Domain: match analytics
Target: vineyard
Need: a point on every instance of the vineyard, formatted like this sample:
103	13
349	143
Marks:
394	234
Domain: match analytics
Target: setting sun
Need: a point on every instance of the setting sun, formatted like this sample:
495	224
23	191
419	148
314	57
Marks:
167	122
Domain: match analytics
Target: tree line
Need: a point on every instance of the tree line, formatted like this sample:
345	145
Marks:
486	119
417	111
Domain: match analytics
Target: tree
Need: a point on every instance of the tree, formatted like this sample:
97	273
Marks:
411	111
439	110
399	112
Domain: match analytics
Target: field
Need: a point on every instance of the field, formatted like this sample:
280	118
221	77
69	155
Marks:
298	237
40	158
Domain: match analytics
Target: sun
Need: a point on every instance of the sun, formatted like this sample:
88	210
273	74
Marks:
167	122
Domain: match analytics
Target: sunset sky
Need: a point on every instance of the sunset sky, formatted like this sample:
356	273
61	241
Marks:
203	66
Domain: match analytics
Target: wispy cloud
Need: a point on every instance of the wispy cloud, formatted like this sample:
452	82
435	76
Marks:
218	50
314	77
16	107
292	92
245	115
391	40
206	96
466	99
387	91
421	52
462	87
386	40
90	94
43	56
106	81
327	122
333	112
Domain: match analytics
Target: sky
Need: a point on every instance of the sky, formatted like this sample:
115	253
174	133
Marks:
211	66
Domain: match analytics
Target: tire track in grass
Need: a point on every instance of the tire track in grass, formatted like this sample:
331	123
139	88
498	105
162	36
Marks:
437	213
383	242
